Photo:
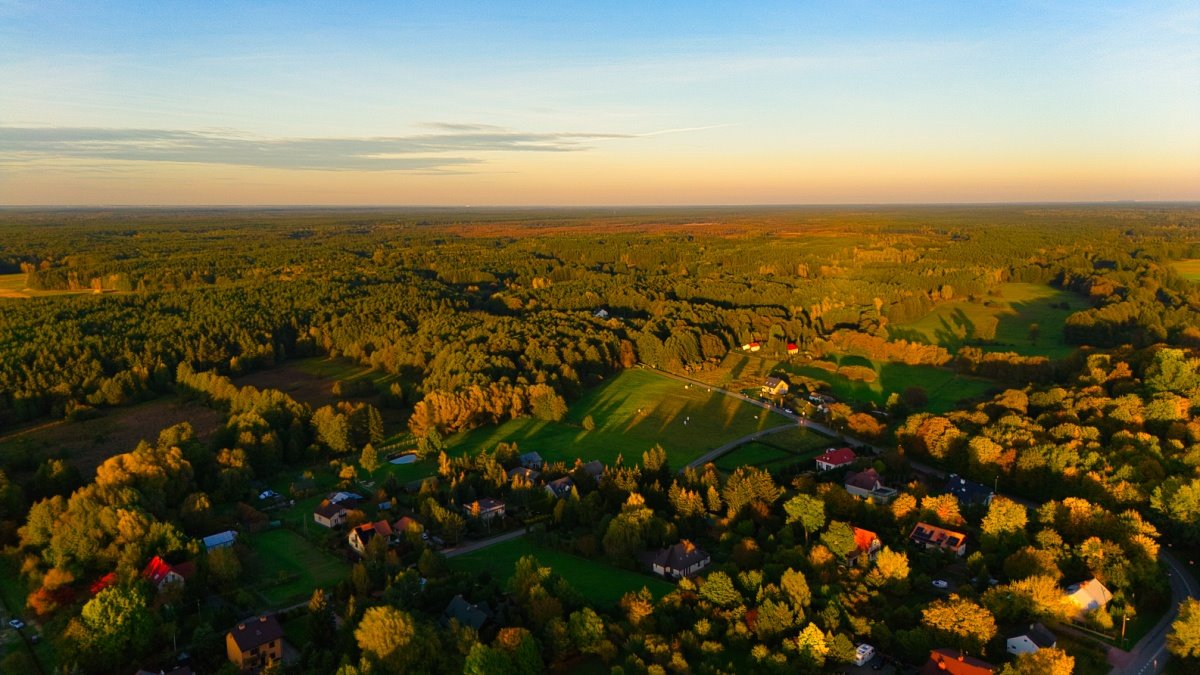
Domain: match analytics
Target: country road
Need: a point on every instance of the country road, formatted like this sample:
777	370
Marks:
483	543
1148	657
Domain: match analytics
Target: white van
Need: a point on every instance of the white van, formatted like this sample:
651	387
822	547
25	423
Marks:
863	654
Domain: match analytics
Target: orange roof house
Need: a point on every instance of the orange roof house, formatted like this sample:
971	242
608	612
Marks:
932	536
943	661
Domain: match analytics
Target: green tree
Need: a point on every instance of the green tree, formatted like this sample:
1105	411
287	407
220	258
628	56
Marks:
1004	516
795	587
839	538
718	589
1184	639
807	511
586	629
118	622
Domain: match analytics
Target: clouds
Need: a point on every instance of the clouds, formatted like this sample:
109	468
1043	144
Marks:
446	147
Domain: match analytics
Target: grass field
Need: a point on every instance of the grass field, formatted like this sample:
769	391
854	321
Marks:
1188	269
311	381
999	323
633	411
288	566
776	451
598	582
943	386
87	443
13	286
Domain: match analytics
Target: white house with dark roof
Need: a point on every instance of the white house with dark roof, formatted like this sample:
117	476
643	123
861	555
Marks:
1088	596
681	560
1031	640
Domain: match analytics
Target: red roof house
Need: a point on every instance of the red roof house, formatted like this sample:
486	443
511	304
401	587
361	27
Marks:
954	662
103	582
832	459
792	348
162	574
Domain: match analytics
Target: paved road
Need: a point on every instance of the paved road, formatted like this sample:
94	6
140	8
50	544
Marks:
1148	656
713	454
483	543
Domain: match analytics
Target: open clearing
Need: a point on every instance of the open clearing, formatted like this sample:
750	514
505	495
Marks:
13	286
633	411
289	567
1188	269
595	580
311	381
943	386
999	322
86	444
777	450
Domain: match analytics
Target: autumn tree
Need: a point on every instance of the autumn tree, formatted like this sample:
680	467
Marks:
1004	516
369	460
1045	661
960	623
718	589
118	623
890	567
384	635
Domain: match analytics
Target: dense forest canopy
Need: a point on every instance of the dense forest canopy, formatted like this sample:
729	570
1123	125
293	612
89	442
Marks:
1071	329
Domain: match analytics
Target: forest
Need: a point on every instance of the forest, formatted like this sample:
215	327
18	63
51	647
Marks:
1050	354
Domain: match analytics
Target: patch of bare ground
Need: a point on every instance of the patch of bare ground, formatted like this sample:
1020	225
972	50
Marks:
87	443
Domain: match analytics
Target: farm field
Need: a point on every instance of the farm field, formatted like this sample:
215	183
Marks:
598	582
283	554
1188	269
943	386
87	443
311	381
1000	322
632	412
777	450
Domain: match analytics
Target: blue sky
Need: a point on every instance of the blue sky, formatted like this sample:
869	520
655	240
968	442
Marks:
589	103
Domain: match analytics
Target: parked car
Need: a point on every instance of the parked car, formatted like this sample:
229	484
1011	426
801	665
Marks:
268	494
941	583
16	623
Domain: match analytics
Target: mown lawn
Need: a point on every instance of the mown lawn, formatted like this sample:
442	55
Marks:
999	323
600	583
777	450
943	386
632	412
289	567
1188	269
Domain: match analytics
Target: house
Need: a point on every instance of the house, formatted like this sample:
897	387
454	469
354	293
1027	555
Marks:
931	536
595	469
104	582
792	349
1088	596
486	508
160	574
601	313
754	346
832	459
866	484
525	473
968	493
405	524
255	642
220	540
1029	641
330	514
531	460
561	487
466	614
774	386
681	560
867	543
347	499
362	535
746	347
943	661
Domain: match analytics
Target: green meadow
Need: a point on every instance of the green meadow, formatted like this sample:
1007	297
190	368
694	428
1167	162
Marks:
632	412
943	386
599	582
999	322
289	567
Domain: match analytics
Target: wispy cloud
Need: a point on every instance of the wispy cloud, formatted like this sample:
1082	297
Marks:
447	147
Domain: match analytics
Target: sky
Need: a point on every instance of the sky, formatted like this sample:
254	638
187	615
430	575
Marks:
597	103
